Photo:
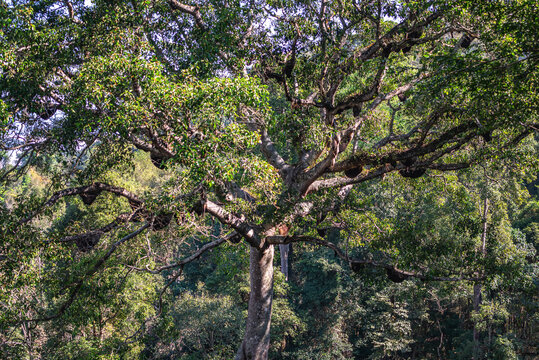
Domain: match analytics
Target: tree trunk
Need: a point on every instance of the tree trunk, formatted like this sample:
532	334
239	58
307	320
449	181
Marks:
256	341
477	286
284	251
476	308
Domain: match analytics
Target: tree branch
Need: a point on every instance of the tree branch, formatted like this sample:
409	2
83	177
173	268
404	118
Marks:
194	11
188	259
393	272
88	189
342	139
239	224
272	155
90	272
89	239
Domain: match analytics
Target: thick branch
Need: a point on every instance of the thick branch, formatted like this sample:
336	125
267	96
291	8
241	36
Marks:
386	167
268	149
344	181
386	39
194	11
72	12
443	139
240	225
342	139
365	96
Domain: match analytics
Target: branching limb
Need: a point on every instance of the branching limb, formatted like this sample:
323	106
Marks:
89	189
188	259
72	12
394	273
231	191
194	11
28	154
239	224
342	139
344	181
365	96
272	155
520	137
371	51
88	239
90	272
451	135
180	265
385	165
162	292
25	145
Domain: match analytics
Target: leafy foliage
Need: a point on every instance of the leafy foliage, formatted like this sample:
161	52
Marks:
388	143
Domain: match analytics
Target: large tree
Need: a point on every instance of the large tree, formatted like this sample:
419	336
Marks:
264	116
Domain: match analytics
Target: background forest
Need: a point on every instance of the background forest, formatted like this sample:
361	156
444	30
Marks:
325	310
282	179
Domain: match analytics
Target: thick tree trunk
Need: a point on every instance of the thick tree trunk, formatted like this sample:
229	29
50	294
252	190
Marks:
256	341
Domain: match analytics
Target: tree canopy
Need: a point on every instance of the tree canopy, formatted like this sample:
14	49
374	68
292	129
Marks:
156	132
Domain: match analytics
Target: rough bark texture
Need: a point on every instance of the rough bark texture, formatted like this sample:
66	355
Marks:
256	341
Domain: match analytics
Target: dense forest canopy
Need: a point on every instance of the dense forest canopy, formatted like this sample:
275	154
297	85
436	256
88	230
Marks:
156	155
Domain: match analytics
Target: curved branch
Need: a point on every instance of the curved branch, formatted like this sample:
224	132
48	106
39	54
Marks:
194	11
5	175
188	259
387	167
342	139
392	271
88	239
343	181
88	189
371	51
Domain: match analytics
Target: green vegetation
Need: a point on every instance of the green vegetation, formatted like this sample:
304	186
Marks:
269	179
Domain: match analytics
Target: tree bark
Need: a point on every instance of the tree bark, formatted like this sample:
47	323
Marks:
256	341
